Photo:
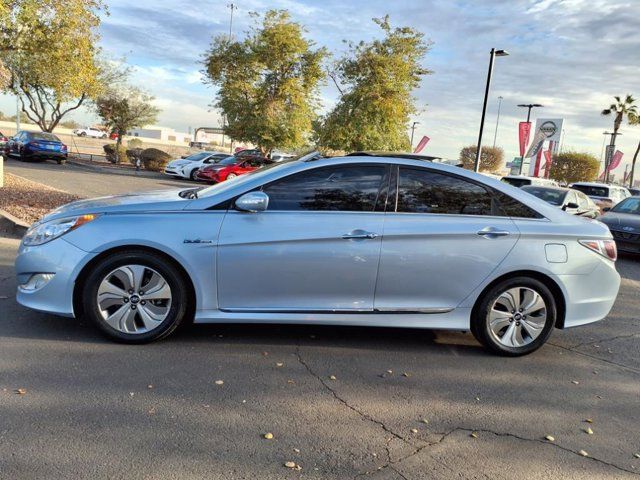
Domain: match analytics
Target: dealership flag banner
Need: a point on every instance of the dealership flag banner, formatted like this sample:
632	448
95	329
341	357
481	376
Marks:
422	144
615	160
523	135
547	129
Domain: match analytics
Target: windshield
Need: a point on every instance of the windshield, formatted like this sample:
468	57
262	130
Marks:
592	191
44	136
628	205
229	161
196	157
549	195
221	187
516	182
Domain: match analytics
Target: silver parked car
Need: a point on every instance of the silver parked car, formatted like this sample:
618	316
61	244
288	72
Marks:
360	240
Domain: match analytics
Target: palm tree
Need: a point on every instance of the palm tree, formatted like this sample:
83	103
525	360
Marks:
621	109
634	120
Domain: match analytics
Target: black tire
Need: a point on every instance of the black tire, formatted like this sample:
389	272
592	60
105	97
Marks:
480	317
62	161
178	311
83	134
192	175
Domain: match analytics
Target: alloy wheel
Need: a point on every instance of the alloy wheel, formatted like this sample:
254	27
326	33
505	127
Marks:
134	299
517	317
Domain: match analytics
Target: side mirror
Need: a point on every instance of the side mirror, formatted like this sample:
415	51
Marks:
253	202
570	205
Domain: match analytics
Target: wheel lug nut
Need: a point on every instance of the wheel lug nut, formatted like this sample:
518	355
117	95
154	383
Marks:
133	307
140	292
517	324
130	291
143	302
521	310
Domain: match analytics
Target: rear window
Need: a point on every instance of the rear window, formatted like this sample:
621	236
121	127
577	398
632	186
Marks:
47	137
516	182
554	197
592	191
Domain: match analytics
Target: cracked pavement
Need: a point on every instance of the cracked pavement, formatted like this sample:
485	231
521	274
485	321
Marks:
333	407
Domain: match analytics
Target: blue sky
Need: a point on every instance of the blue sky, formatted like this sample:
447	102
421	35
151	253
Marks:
570	55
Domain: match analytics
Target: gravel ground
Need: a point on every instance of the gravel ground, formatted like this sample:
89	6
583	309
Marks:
29	200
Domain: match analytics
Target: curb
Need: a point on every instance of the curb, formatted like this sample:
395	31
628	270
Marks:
116	171
12	227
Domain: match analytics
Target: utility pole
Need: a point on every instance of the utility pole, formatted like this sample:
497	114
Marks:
495	135
413	127
231	7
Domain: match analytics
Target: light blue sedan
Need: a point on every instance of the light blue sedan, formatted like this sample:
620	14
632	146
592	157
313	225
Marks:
372	240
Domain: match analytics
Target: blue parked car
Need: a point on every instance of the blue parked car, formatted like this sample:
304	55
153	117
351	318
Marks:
38	146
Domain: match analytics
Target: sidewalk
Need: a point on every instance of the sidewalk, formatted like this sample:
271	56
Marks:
118	169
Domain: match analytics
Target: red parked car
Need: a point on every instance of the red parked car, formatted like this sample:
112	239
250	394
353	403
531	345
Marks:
231	167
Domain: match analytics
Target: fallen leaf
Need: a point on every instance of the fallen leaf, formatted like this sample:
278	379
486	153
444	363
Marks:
583	453
131	394
152	411
575	382
477	399
268	436
550	438
279	364
20	391
405	374
332	377
290	381
149	386
637	455
424	420
219	382
588	420
595	372
588	431
414	430
290	464
297	450
265	353
473	435
389	372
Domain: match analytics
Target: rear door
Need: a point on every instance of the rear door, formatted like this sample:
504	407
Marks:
315	249
445	235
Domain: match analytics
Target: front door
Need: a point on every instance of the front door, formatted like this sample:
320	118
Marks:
444	238
315	249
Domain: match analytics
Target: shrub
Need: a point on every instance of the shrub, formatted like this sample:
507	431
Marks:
133	154
572	167
134	143
491	158
154	159
110	152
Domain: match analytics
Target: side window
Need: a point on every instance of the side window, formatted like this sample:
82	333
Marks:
356	188
583	201
425	191
510	207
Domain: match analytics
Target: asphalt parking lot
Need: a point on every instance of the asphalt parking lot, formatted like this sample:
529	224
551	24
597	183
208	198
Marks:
339	402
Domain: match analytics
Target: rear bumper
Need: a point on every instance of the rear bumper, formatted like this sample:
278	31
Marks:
589	298
45	154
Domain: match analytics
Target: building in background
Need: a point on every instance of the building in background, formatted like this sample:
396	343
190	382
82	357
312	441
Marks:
164	134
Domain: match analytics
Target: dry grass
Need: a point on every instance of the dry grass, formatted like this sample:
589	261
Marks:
28	200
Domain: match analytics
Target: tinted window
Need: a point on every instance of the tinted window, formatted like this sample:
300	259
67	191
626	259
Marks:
229	161
549	195
592	191
423	191
629	205
49	137
197	156
354	188
516	182
511	207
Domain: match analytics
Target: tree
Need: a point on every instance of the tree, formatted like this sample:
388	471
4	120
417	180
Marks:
569	167
634	119
49	51
267	83
123	108
375	81
491	158
620	110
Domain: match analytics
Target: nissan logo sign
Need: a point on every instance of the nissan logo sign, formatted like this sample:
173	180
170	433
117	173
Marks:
549	129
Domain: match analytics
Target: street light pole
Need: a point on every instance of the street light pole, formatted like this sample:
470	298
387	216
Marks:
492	55
529	106
607	158
495	134
413	127
232	7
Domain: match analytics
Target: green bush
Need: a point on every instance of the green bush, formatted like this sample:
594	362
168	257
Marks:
134	143
110	152
154	159
133	154
572	167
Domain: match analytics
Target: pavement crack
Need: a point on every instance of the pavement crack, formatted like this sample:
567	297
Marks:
362	414
602	340
604	360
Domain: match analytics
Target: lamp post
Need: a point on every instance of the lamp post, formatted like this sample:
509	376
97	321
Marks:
492	55
413	128
529	106
495	134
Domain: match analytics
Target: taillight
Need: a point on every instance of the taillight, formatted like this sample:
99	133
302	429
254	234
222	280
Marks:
606	248
64	147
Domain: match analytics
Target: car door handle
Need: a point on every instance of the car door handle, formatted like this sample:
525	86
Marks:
359	234
491	232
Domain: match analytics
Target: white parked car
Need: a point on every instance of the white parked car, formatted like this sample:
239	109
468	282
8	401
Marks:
522	180
187	167
605	196
90	132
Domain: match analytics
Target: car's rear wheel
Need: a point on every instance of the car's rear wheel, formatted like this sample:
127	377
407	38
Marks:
515	316
135	297
192	175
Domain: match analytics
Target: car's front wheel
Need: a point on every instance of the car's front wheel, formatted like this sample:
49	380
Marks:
515	316
135	297
192	175
231	176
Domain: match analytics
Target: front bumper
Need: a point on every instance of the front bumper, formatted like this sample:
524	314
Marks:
58	257
207	177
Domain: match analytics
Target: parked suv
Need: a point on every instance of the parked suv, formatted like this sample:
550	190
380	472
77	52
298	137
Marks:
605	196
90	132
36	146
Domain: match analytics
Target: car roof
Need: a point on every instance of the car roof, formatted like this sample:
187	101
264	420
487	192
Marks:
545	187
377	153
594	184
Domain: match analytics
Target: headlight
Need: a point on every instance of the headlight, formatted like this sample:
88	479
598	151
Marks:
45	232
